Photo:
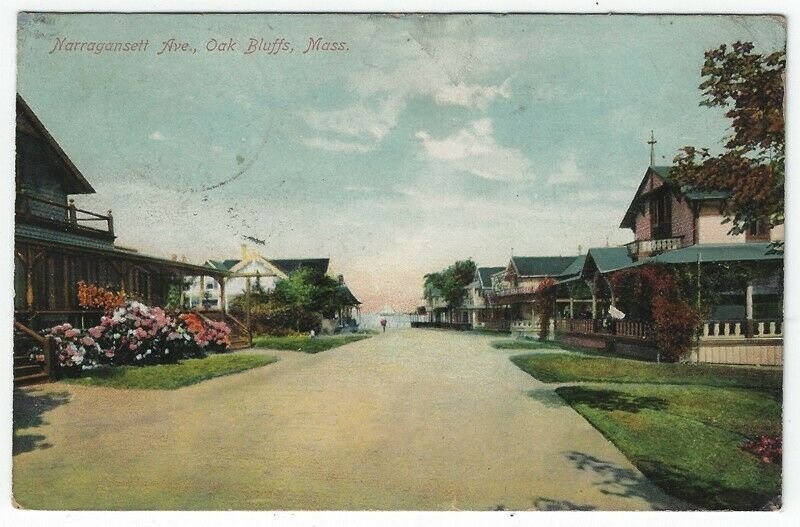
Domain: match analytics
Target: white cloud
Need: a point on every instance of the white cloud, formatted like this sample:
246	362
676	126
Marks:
383	96
474	150
568	172
157	136
333	145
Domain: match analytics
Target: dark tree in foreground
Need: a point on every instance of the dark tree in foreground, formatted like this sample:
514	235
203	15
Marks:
752	166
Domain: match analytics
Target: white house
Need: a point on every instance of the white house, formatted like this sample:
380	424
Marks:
252	267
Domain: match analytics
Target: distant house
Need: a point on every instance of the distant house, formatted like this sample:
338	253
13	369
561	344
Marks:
251	268
514	287
255	272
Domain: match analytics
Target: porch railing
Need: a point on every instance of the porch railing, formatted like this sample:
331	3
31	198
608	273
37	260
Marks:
29	206
638	247
737	329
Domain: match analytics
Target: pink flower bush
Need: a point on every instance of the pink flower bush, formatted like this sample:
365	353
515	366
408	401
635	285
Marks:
137	334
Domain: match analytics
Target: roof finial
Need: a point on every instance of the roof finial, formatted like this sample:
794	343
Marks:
512	252
652	142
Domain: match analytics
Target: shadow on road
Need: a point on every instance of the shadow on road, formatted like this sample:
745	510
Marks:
547	504
622	482
547	397
29	409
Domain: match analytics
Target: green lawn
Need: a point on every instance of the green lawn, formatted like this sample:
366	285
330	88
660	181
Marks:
560	367
172	376
682	425
304	343
530	344
687	439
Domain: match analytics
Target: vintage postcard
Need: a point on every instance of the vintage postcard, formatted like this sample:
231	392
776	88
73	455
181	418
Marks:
426	262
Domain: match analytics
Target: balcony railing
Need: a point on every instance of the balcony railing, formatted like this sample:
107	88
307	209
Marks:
737	329
648	247
36	208
513	291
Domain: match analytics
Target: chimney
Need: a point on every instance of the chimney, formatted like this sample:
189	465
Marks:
341	278
245	252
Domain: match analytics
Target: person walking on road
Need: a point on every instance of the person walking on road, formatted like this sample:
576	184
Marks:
383	324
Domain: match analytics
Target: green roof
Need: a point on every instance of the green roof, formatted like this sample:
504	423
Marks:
286	265
541	265
608	259
718	252
576	267
485	274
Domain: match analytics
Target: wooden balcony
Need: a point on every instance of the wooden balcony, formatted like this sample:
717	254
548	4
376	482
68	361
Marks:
51	214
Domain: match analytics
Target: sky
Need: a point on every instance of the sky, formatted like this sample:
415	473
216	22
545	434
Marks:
424	140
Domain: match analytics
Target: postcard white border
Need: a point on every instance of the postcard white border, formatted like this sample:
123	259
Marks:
789	516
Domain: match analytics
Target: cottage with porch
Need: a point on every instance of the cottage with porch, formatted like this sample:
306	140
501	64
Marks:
683	228
57	244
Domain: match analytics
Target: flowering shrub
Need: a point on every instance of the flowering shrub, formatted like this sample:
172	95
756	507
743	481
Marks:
215	335
767	448
95	297
137	334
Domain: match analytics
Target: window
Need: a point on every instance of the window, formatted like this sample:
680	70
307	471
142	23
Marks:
661	215
758	230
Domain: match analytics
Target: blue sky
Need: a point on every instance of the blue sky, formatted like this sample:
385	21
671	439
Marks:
431	139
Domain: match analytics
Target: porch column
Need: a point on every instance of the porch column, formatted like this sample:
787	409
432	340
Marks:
748	309
571	302
223	299
182	293
202	291
247	304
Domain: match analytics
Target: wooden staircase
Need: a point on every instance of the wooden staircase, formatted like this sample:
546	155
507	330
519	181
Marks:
34	357
240	335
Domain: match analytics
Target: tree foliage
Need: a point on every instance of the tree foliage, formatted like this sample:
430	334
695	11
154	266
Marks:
450	282
298	303
752	165
651	294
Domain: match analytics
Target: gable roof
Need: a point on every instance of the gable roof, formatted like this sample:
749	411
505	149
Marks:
485	275
575	268
346	297
75	182
286	266
665	173
540	265
608	259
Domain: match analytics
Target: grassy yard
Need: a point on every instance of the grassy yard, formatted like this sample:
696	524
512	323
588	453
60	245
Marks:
530	344
682	425
687	439
172	376
304	343
559	367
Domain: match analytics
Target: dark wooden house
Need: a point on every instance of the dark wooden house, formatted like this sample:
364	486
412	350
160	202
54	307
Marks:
56	245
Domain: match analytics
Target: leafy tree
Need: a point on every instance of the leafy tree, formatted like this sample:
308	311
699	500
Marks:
451	282
752	166
297	292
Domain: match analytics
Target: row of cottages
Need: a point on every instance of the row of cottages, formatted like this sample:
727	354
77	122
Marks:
57	245
679	227
253	272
